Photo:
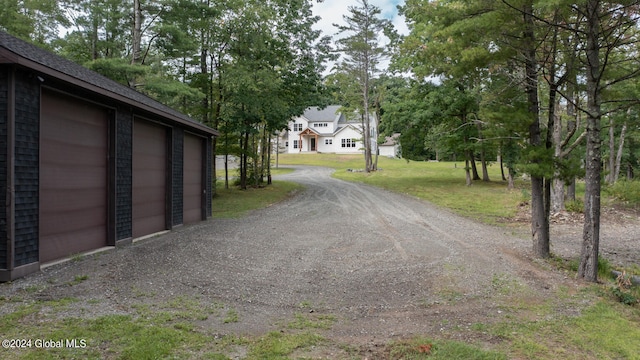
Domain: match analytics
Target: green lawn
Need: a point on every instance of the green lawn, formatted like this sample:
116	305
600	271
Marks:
234	203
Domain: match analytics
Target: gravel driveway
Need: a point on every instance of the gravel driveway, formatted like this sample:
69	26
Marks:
384	265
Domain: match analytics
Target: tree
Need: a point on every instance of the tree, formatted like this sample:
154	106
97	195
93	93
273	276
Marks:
362	55
609	27
36	21
468	42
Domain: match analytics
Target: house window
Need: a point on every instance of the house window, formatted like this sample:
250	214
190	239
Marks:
346	143
286	144
328	141
295	144
297	127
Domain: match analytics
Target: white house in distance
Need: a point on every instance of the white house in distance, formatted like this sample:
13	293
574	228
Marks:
326	131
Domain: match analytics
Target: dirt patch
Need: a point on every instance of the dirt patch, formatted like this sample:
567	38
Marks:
383	265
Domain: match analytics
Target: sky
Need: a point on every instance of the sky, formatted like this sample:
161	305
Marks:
331	12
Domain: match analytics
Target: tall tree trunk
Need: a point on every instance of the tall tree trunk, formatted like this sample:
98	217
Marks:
377	119
554	188
502	168
510	180
136	52
612	151
616	173
466	170
244	158
588	268
483	163
572	125
571	190
269	159
483	155
557	190
474	168
538	214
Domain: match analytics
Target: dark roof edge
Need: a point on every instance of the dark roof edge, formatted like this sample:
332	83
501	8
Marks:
21	60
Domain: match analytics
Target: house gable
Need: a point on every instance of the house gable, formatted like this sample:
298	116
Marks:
323	130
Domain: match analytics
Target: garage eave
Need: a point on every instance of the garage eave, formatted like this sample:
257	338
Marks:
15	51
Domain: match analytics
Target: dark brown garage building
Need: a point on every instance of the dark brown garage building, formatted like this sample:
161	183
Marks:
87	163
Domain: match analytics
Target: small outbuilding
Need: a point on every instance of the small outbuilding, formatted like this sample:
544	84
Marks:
391	146
87	163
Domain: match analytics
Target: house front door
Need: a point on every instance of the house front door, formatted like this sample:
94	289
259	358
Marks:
313	144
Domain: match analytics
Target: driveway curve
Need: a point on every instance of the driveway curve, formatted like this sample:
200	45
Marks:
382	264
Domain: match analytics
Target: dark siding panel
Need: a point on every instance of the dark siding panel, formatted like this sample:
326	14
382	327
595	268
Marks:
177	203
3	167
26	168
192	175
124	150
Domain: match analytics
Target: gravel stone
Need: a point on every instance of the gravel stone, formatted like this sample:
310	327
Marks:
386	265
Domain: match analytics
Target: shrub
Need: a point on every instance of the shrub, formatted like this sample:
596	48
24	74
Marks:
575	206
626	191
622	289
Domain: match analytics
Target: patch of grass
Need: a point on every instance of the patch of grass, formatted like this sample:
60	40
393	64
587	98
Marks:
312	321
111	336
33	289
234	203
450	296
181	308
78	279
603	331
422	348
505	284
77	257
279	345
231	317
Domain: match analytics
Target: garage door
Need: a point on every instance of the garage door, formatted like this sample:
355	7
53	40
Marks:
193	184
149	178
73	176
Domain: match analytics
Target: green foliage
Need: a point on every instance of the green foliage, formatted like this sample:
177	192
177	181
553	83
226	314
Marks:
537	161
35	21
625	191
576	206
118	69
